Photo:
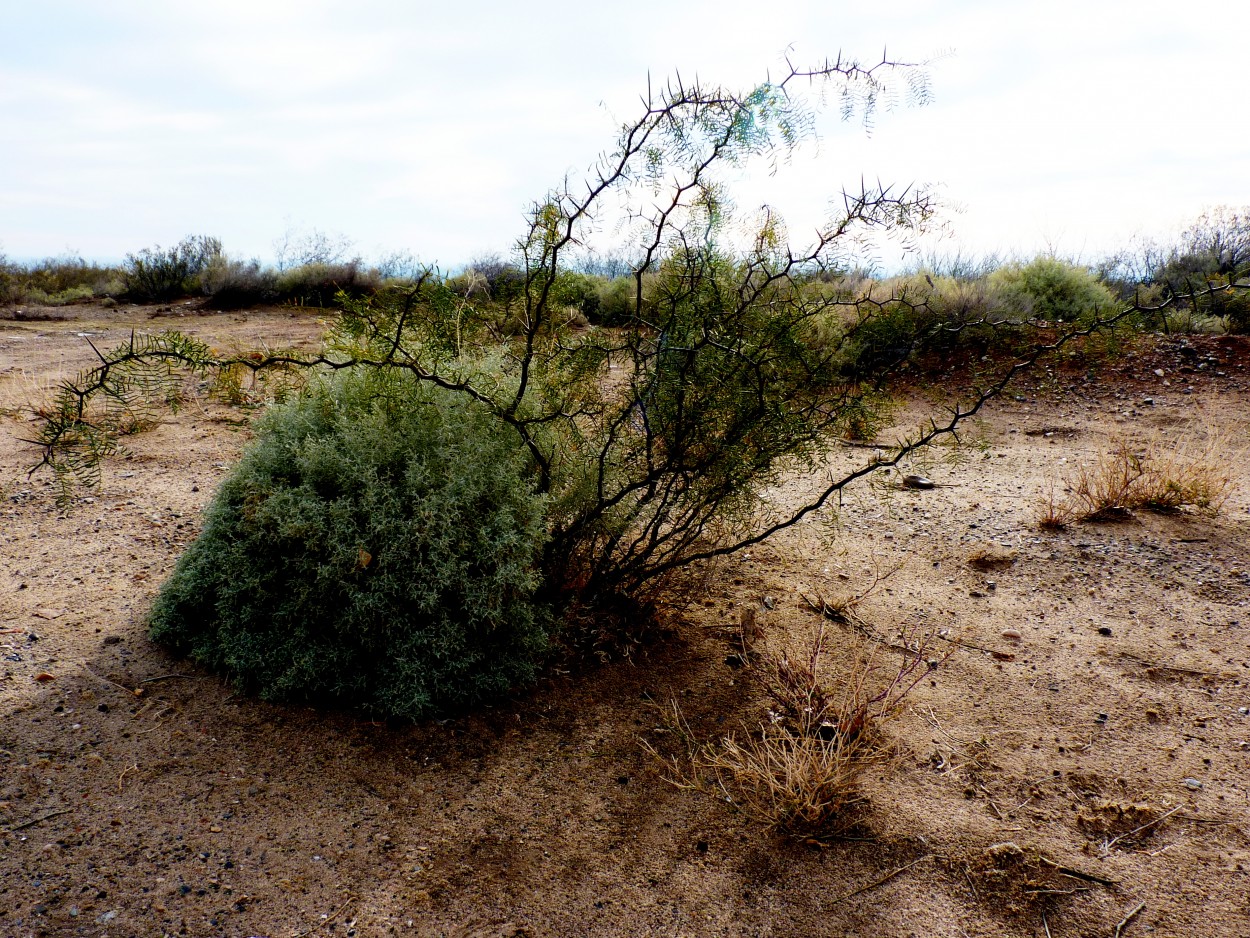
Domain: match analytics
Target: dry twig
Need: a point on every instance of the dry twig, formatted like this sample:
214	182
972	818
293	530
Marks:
33	821
1128	918
1161	818
883	880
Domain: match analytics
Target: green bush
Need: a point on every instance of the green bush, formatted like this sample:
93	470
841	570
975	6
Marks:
1048	288
376	547
161	274
319	284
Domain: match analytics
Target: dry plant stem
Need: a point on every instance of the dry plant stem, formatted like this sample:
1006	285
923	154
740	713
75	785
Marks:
328	919
883	880
1124	922
1159	820
33	821
1077	874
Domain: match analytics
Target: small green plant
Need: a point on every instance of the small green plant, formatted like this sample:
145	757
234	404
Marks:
377	547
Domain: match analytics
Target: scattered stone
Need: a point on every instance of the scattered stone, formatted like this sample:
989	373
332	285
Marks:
1193	784
769	602
1101	718
49	613
112	639
976	594
917	482
1104	630
1012	635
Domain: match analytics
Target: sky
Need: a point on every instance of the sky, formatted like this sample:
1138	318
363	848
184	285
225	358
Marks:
407	126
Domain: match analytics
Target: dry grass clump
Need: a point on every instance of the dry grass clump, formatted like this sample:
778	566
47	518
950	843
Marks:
799	772
1188	474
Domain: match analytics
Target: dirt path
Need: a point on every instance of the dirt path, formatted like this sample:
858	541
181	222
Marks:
1084	751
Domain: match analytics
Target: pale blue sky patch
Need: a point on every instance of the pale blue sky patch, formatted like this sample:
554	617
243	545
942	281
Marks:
1070	125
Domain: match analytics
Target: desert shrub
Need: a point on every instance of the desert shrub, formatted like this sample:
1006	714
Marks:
320	284
800	771
233	284
617	299
1051	289
1192	474
56	281
377	546
160	274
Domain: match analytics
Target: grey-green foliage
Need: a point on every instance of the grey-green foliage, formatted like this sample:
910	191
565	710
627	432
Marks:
375	547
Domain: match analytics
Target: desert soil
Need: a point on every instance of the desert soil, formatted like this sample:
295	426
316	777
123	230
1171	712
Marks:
1080	754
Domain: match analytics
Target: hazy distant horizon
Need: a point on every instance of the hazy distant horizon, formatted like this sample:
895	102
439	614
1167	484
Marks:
1070	128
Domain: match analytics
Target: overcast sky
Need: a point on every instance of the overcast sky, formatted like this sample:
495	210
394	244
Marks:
430	127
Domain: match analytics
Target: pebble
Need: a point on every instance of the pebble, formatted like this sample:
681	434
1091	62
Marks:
917	482
1012	635
1104	630
1193	784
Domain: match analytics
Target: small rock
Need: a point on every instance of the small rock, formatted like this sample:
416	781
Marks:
976	594
1012	635
103	708
112	639
1148	401
917	482
769	602
991	585
1158	372
1101	718
1104	630
1193	784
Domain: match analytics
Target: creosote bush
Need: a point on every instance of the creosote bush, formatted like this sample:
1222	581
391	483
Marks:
377	546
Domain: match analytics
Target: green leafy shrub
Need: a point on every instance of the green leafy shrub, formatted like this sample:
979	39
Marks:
377	546
1048	288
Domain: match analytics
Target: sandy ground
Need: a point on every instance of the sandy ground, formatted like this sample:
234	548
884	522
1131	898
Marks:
1083	752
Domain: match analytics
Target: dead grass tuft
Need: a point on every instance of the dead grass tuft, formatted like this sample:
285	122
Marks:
799	772
1188	474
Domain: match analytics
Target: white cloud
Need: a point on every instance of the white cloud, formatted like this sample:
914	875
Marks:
1076	122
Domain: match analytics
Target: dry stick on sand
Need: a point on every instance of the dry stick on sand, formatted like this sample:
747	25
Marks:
33	821
326	921
1077	874
101	677
1162	817
883	880
165	677
1128	918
